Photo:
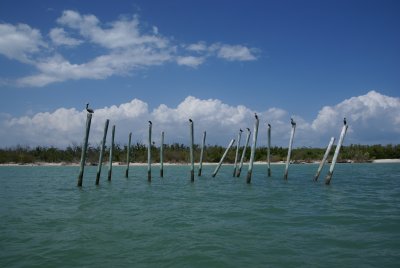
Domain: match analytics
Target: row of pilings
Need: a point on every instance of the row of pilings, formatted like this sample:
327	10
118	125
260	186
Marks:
238	165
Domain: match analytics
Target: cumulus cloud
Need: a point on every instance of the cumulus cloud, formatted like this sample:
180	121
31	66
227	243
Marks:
120	47
20	41
373	118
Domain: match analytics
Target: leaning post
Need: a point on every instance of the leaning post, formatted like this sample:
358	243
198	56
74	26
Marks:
335	156
103	143
269	151
84	149
223	157
285	176
328	149
253	150
243	153
237	152
111	153
202	153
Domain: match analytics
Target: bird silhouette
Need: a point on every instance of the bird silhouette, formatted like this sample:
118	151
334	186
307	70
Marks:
89	110
344	121
248	129
150	122
269	125
190	120
292	122
240	130
255	114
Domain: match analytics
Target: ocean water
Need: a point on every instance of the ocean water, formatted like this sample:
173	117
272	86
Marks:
47	221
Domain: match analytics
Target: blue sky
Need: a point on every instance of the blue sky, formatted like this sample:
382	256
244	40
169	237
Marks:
293	56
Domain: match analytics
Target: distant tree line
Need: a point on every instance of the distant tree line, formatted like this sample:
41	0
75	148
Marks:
179	153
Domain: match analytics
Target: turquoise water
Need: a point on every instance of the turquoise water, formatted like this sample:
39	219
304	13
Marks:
46	221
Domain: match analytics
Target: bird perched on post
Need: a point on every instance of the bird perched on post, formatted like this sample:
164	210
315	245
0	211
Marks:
190	120
255	114
150	122
240	130
89	110
292	122
269	125
248	129
344	121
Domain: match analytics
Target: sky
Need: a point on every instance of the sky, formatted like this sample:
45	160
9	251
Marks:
217	62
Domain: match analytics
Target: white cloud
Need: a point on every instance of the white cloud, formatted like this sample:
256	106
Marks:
190	61
125	46
19	42
236	53
60	37
372	118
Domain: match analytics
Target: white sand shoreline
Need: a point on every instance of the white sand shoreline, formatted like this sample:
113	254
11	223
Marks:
377	161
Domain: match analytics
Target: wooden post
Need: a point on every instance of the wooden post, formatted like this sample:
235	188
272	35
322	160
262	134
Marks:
253	150
223	157
149	154
162	155
103	143
237	152
111	153
269	151
84	148
191	150
328	149
243	153
285	176
335	156
128	155
201	153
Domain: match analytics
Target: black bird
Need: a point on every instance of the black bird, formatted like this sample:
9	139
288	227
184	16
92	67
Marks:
89	110
344	121
190	120
240	130
255	114
150	123
248	129
292	122
269	125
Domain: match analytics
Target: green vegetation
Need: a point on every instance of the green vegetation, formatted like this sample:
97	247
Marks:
179	153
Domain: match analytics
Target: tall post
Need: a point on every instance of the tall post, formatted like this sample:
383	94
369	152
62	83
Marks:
201	153
84	148
335	156
111	153
128	155
253	150
244	153
328	149
191	150
103	143
269	151
285	176
149	154
223	157
237	152
162	155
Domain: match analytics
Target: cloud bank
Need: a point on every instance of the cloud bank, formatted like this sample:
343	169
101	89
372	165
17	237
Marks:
122	46
373	118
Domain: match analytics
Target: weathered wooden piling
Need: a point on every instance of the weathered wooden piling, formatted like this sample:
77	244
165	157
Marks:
285	176
202	153
84	149
149	154
253	150
111	153
321	165
269	151
223	157
243	152
237	152
335	156
128	155
103	143
191	150
162	155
